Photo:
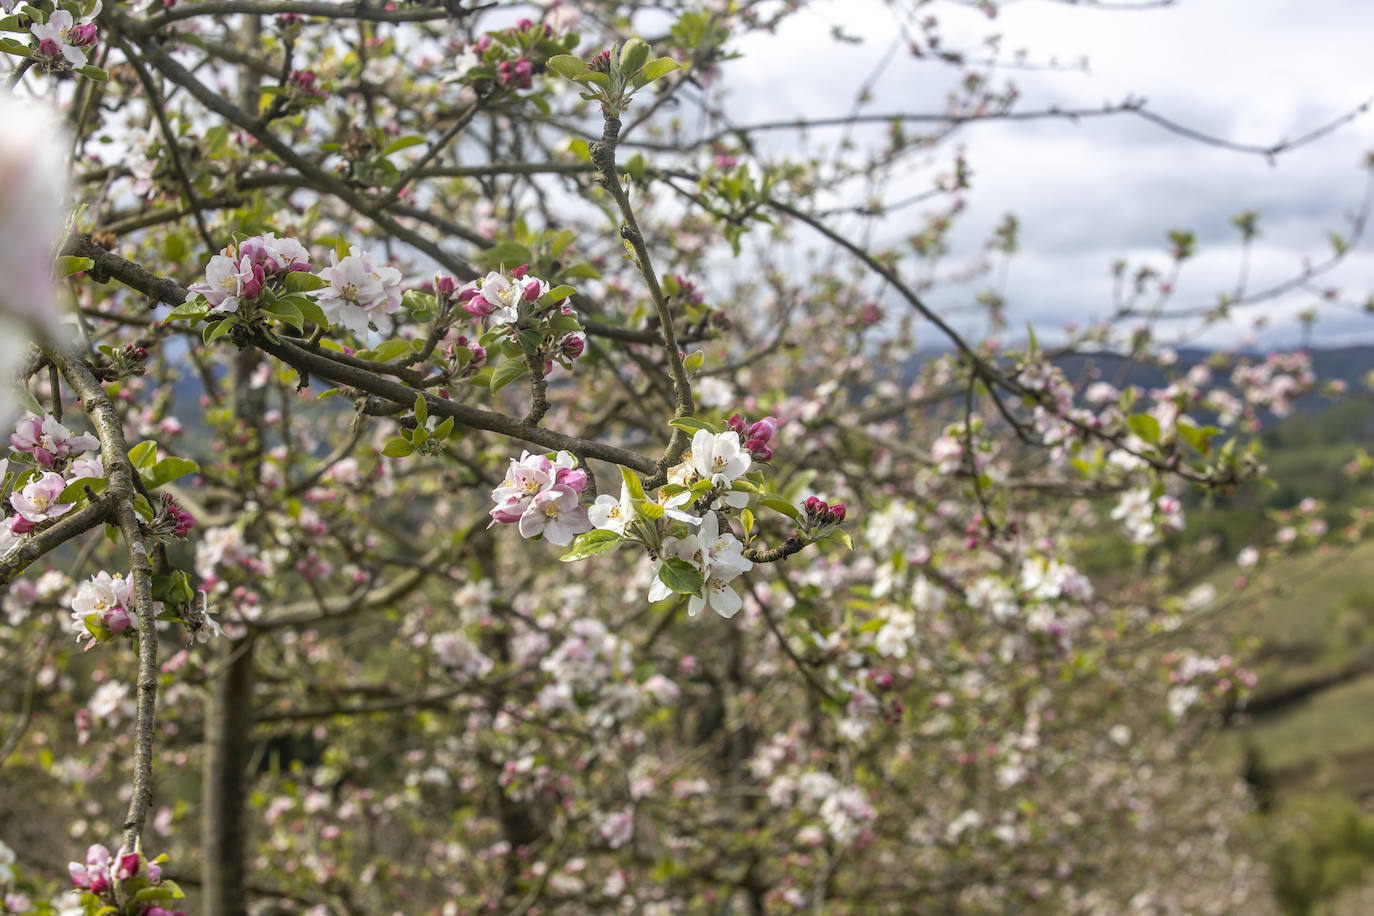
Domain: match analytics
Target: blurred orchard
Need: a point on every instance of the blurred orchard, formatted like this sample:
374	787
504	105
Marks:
456	470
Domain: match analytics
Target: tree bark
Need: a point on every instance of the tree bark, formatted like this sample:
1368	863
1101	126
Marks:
224	785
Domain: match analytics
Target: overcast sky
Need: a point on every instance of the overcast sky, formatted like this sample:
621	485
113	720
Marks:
1252	71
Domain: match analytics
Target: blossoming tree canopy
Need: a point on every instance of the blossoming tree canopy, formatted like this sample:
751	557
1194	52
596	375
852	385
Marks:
514	483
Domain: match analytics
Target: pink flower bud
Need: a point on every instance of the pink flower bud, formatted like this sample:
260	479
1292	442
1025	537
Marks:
532	291
468	293
445	285
507	512
128	866
764	429
478	307
84	35
49	48
837	513
117	620
574	479
573	346
519	272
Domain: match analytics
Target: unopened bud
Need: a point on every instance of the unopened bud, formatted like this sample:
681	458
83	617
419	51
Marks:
634	54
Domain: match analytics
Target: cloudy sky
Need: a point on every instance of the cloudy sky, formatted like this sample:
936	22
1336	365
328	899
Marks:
1251	71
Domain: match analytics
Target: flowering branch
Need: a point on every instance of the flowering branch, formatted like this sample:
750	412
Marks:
345	371
117	505
603	157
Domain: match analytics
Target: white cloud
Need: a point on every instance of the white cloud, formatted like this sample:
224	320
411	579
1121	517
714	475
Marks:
1091	191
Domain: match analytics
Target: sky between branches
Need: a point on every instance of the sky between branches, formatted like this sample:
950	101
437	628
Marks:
1087	193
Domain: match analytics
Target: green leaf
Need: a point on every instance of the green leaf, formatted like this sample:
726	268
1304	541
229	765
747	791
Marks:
509	254
567	66
784	507
694	361
311	311
284	310
214	332
1144	426
400	143
655	69
557	294
581	150
650	510
386	351
595	77
839	534
421	410
632	483
167	470
189	311
1199	439
692	424
300	281
398	448
596	541
582	271
444	429
77	488
506	373
68	265
143	455
562	240
529	342
564	324
92	72
681	576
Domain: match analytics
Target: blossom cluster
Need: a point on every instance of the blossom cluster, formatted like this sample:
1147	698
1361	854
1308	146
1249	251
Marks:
1147	518
63	456
359	290
541	496
63	37
103	608
718	555
756	435
239	275
110	880
694	554
508	55
502	296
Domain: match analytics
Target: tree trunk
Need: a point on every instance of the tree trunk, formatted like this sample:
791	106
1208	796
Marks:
224	783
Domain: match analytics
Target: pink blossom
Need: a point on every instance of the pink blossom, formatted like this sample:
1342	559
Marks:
38	501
